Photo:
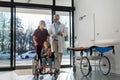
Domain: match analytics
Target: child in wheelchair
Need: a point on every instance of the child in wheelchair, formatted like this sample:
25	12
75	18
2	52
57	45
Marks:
47	56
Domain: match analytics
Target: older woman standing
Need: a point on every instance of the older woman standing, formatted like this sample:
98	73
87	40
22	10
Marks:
40	35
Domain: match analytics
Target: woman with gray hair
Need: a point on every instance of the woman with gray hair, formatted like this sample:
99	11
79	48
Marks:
39	36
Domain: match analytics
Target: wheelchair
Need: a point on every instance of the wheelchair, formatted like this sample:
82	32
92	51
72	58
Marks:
85	65
104	64
37	70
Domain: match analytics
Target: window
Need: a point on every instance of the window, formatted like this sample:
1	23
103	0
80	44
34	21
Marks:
65	19
5	37
27	21
64	3
46	2
5	0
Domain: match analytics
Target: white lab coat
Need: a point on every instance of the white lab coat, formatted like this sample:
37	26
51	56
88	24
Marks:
61	39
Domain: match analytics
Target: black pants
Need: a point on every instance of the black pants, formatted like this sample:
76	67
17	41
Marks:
39	48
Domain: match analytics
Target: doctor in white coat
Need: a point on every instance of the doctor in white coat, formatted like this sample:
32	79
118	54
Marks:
57	32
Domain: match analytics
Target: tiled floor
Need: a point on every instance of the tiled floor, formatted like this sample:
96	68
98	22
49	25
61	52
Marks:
65	74
96	76
26	74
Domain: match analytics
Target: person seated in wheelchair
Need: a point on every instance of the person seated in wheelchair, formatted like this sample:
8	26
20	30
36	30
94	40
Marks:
47	56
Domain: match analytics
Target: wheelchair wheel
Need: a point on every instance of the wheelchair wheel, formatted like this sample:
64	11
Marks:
36	76
35	69
85	66
74	68
105	65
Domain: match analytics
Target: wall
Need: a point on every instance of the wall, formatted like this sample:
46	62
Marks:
84	28
98	22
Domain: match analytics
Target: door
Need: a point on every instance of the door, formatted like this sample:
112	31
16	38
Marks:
27	20
65	18
6	39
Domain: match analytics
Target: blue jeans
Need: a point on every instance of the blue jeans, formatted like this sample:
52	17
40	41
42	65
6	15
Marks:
47	60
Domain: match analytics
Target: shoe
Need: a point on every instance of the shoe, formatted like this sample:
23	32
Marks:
40	70
57	71
41	77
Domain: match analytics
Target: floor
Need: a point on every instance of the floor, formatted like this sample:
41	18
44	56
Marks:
65	74
96	76
26	74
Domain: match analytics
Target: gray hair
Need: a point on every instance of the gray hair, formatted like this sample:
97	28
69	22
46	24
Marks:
57	15
42	22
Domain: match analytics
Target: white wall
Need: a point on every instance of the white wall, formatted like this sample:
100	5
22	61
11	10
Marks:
100	25
107	20
84	29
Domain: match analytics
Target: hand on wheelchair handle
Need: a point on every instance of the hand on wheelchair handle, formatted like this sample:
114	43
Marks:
55	56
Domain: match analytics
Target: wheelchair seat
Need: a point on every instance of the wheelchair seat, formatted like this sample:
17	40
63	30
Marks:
52	56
